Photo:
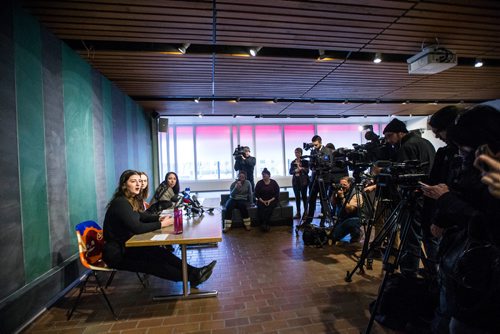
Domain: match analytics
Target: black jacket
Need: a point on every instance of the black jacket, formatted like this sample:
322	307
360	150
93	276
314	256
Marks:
120	224
247	165
414	147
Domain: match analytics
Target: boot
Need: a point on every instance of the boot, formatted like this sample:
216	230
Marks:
246	223
227	225
297	215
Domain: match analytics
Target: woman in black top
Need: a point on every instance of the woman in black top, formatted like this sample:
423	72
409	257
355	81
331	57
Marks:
124	219
299	168
267	192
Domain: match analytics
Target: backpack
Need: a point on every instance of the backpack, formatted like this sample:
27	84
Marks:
314	236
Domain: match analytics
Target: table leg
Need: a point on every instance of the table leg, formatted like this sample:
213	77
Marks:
186	294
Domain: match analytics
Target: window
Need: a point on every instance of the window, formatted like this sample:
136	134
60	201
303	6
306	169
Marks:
296	136
269	148
340	135
212	147
185	153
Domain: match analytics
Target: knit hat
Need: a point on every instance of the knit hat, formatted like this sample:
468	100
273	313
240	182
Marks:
477	126
444	117
395	126
266	171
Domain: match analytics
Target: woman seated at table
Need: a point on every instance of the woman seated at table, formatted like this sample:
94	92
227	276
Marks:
165	194
144	194
124	219
267	192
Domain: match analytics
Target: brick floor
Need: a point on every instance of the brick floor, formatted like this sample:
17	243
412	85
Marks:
267	283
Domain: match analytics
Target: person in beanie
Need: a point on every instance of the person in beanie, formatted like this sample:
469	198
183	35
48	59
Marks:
470	247
410	146
267	192
240	196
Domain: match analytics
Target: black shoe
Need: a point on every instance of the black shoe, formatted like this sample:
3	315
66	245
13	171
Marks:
202	274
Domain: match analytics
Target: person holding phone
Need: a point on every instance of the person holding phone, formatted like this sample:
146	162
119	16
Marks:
470	213
240	197
489	165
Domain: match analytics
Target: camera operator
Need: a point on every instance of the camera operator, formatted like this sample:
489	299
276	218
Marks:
349	222
320	152
410	146
470	248
246	162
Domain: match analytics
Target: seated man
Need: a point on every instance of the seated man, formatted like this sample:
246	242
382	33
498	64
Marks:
240	196
349	222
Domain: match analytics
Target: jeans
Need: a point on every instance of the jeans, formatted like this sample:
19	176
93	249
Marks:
350	226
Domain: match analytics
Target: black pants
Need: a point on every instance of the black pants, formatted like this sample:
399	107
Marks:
313	195
153	260
300	195
265	212
241	205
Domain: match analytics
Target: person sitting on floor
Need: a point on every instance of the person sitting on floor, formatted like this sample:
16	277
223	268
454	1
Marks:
124	219
267	192
240	196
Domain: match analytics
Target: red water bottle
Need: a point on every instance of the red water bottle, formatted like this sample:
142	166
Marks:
177	221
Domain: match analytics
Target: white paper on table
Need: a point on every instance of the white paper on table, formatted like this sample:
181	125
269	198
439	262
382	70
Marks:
159	237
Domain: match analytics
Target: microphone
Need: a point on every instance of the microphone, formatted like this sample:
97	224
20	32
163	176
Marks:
196	203
177	200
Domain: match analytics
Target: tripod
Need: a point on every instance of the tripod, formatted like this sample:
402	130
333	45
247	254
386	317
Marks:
318	185
381	208
399	222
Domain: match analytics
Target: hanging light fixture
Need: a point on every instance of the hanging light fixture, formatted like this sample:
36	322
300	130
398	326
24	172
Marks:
183	48
378	58
254	50
478	62
197	100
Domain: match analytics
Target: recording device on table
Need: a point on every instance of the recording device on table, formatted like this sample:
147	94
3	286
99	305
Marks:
191	203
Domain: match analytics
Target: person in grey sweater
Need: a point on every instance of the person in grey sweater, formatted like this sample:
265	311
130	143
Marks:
240	196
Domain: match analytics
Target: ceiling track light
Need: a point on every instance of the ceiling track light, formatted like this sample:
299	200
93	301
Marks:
478	63
254	50
378	58
275	100
197	100
321	54
183	48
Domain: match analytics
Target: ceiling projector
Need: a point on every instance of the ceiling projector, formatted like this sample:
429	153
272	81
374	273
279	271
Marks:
431	60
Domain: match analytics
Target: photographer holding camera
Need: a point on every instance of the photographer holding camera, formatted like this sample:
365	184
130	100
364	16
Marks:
245	162
349	215
410	146
320	153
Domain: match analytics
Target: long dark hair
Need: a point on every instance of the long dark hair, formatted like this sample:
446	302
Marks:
177	187
122	190
145	191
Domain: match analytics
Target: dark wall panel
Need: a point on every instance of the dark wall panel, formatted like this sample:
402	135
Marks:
119	132
55	145
111	177
11	236
99	157
30	125
79	136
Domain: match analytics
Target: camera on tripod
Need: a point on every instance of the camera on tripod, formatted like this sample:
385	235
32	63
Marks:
355	159
238	152
406	174
318	160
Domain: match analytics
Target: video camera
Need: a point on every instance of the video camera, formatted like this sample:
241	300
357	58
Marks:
405	174
356	159
238	152
318	160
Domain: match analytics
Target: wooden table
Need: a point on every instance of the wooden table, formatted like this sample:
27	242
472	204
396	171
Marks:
199	229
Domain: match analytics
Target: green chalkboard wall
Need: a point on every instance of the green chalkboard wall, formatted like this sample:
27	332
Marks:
67	134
